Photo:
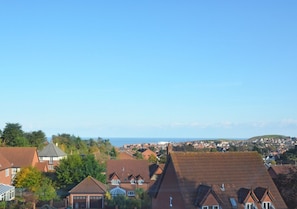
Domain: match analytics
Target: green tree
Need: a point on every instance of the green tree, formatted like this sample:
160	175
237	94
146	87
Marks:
38	187
46	190
141	200
75	168
28	178
71	144
138	155
36	139
289	156
13	135
152	159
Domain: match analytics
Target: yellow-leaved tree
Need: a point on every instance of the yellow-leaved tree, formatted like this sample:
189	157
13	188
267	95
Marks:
36	186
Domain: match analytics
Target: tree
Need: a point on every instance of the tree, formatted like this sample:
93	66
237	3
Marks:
28	178
75	168
37	186
152	159
13	135
141	200
36	138
289	156
46	190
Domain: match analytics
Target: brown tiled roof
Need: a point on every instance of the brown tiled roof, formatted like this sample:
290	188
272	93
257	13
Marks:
147	153
89	186
125	156
125	168
283	169
20	156
203	191
41	166
4	163
232	170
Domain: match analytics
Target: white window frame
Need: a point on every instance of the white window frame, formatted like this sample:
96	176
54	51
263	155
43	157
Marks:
248	205
266	205
6	172
131	193
115	182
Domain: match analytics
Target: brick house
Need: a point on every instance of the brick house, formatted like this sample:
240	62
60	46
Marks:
51	154
124	176
5	170
276	170
20	157
146	153
12	159
232	180
87	194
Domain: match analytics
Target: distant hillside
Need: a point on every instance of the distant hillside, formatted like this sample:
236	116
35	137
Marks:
272	136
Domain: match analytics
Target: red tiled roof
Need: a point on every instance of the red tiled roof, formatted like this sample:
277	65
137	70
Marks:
125	156
232	170
89	186
125	168
283	169
41	166
20	156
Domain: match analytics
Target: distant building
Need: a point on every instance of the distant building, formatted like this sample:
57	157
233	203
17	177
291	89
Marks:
146	153
124	155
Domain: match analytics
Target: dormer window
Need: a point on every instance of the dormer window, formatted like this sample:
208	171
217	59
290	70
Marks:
132	181
140	181
249	205
115	182
210	207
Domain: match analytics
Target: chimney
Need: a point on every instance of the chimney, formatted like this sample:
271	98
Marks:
169	148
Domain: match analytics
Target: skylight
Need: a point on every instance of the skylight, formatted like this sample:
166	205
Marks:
233	202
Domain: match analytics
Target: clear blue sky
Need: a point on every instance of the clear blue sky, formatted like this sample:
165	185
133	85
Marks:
149	68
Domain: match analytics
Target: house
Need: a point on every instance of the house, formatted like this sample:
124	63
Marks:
5	170
124	155
216	180
87	194
146	153
20	157
276	170
284	177
124	176
156	171
7	192
51	154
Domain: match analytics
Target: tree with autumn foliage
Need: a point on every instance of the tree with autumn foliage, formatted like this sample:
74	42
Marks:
36	186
